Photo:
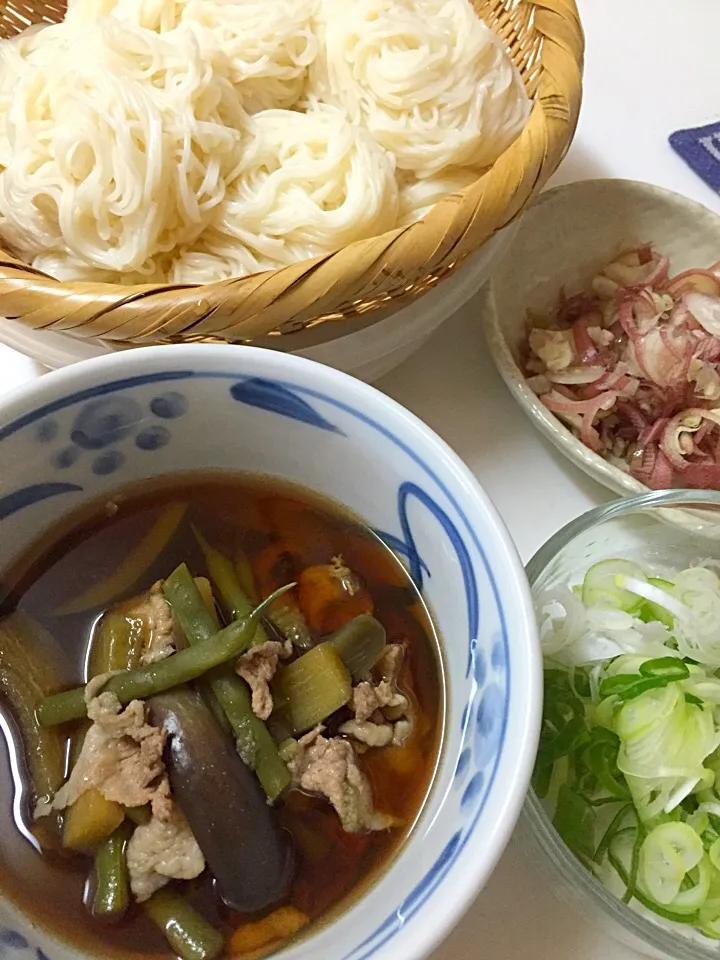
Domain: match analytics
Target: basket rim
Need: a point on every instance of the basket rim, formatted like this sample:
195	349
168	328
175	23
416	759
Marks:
363	276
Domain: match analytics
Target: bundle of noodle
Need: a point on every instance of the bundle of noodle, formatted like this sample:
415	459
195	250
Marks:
115	145
430	81
143	141
268	44
309	183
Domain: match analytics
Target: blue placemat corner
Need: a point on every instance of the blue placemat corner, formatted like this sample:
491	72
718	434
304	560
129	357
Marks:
700	149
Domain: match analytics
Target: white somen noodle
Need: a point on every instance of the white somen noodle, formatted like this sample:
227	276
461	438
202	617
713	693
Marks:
117	144
417	197
429	79
309	184
143	141
268	44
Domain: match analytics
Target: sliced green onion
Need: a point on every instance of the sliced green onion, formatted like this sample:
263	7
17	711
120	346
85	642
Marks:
600	588
611	832
668	852
682	792
570	737
649	590
714	854
641	733
627	838
575	822
666	668
709	913
542	775
581	683
628	686
658	611
601	757
692	899
653	674
631	886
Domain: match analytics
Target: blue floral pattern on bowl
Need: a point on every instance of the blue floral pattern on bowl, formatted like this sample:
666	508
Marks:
97	433
102	425
14	946
96	439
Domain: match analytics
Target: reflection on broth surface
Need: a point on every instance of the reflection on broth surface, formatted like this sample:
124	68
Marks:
230	779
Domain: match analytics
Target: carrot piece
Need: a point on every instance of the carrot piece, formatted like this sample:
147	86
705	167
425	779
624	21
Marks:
330	596
302	529
255	938
402	760
275	564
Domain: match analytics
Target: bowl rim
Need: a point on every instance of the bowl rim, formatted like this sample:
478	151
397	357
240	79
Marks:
469	871
534	815
546	422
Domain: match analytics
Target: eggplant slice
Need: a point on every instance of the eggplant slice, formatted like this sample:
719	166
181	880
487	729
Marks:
246	850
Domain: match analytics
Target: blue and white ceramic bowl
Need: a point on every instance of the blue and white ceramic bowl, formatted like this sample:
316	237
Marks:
82	432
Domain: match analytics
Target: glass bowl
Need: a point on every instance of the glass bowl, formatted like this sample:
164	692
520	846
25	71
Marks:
635	528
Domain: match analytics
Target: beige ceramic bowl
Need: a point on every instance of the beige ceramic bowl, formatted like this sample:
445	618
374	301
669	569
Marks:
563	240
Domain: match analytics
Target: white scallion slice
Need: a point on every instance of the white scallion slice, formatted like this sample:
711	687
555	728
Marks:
668	853
714	854
690	900
600	587
648	590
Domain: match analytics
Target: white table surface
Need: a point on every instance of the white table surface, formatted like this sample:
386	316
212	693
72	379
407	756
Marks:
652	67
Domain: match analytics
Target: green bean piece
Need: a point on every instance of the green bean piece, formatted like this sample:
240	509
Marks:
188	934
235	601
181	667
312	687
254	742
26	677
112	887
359	643
189	609
203	685
205	590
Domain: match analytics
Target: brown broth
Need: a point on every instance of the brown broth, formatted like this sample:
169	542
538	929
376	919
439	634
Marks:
250	514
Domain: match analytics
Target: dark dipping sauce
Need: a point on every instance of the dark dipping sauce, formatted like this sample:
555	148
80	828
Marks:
236	514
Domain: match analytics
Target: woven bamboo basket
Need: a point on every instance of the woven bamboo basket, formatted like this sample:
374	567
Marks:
545	41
